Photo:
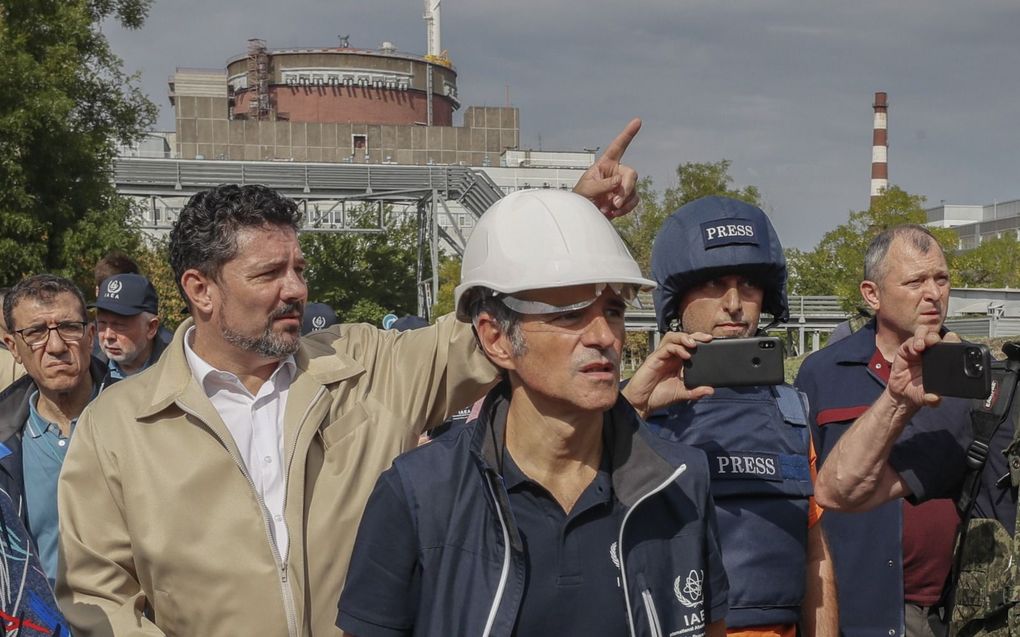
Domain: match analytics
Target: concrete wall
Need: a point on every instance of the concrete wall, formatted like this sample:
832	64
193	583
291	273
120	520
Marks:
205	130
336	104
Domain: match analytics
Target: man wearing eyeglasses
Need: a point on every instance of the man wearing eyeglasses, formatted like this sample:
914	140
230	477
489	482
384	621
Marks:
49	335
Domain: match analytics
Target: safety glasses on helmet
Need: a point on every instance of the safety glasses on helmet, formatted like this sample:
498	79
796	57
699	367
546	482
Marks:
627	291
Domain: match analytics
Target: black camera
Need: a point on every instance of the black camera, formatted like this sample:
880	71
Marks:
973	362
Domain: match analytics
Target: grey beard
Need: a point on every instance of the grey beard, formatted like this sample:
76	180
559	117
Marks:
267	344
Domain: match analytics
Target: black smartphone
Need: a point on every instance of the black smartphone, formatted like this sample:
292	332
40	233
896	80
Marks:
962	369
735	362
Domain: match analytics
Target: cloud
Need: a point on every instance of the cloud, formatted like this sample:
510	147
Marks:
782	88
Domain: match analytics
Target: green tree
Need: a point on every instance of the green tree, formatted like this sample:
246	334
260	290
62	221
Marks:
694	181
449	278
97	233
639	228
364	276
705	179
836	265
993	264
807	273
65	103
154	262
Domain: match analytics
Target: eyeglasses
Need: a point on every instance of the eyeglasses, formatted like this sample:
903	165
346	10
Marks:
35	336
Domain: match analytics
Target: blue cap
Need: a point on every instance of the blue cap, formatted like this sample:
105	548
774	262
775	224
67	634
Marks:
713	237
409	323
127	295
318	316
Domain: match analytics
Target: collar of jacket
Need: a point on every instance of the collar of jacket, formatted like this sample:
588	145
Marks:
636	466
859	347
158	345
14	399
317	362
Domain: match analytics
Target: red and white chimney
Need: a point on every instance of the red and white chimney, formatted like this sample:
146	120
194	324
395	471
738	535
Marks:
880	147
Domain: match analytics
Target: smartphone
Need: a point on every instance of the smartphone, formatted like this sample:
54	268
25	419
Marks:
735	362
962	369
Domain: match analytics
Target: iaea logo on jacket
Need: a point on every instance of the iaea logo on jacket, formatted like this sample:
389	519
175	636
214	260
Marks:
690	593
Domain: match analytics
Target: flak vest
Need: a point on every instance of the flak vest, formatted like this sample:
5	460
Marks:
757	443
986	599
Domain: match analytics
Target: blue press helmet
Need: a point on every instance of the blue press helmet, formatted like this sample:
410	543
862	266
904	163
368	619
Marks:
712	237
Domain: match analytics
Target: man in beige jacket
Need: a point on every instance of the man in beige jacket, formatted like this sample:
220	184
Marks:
10	369
219	492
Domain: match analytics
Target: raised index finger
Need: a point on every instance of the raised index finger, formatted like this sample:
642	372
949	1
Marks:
619	145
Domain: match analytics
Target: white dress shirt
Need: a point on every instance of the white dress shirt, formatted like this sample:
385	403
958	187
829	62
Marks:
256	423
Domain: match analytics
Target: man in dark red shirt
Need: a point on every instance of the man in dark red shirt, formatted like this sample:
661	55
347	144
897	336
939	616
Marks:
893	561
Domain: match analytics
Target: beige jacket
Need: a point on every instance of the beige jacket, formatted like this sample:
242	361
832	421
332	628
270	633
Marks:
157	511
10	369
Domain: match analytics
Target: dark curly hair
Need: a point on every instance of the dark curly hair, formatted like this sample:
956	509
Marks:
43	288
205	235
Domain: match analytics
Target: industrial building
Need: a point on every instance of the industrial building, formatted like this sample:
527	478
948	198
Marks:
976	223
300	108
347	105
335	104
337	129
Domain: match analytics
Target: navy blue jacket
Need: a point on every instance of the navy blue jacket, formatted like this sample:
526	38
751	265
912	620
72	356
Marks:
37	612
14	412
470	572
867	548
27	606
756	439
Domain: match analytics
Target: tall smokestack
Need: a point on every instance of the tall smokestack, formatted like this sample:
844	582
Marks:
880	148
434	46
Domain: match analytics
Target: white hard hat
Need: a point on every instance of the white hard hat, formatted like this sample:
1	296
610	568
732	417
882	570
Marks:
539	239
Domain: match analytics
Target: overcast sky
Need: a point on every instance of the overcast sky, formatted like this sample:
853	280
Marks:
782	88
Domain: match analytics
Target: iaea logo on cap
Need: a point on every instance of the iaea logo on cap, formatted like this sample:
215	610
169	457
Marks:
114	287
319	322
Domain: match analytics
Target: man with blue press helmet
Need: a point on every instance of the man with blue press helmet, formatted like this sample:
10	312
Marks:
719	264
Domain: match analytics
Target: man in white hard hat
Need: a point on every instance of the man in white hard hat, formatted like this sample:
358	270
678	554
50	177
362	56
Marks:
219	492
557	513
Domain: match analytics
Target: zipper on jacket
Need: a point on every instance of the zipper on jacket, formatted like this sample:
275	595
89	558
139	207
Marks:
623	525
16	606
267	523
653	615
504	575
286	490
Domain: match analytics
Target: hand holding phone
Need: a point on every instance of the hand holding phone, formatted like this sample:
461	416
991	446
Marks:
735	362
